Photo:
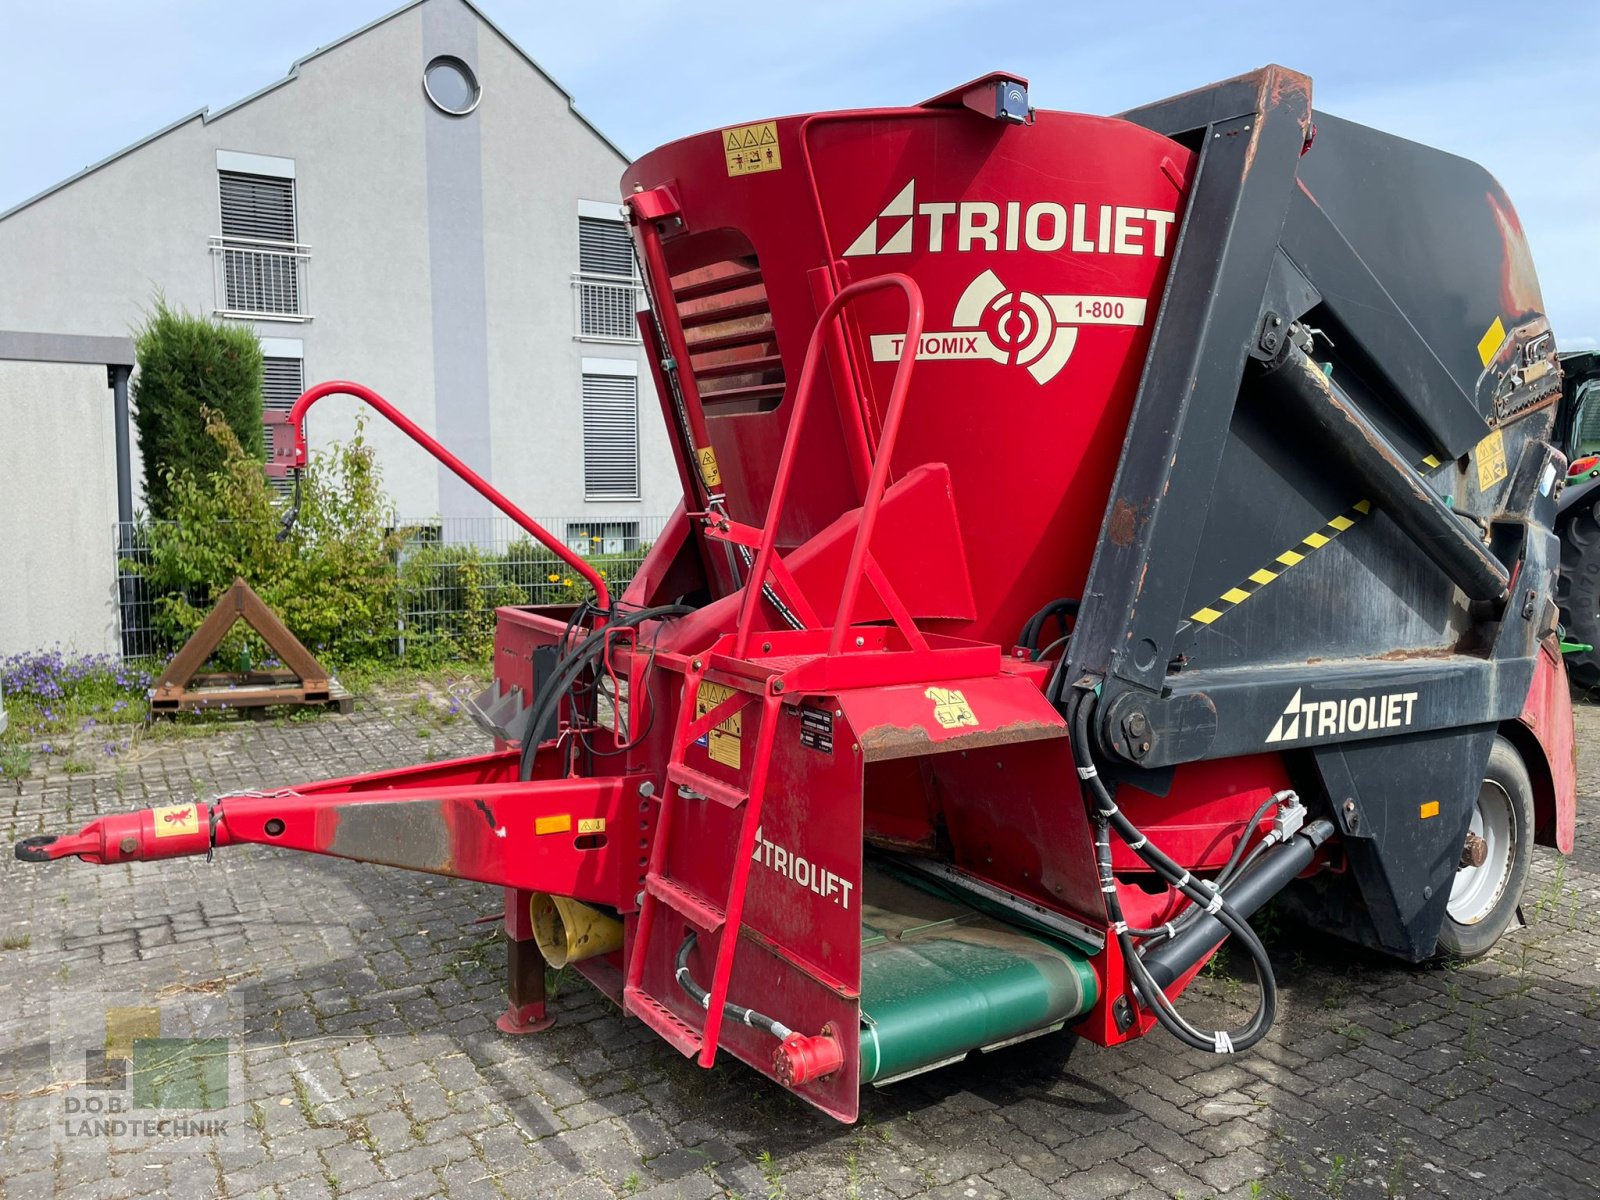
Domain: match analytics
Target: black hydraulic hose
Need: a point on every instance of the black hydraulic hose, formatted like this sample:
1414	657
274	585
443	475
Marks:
1236	862
546	703
570	668
1108	816
1064	607
1170	960
738	1012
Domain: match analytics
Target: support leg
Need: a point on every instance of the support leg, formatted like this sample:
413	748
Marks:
525	1011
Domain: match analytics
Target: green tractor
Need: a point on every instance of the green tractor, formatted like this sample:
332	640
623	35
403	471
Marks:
1578	517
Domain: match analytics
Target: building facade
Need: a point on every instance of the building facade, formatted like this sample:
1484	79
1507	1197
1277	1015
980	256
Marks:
416	207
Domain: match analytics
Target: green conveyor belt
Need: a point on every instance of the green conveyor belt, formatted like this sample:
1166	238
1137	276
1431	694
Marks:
938	979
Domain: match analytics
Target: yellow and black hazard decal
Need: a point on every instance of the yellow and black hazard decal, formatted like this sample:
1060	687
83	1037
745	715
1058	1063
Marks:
752	149
1290	558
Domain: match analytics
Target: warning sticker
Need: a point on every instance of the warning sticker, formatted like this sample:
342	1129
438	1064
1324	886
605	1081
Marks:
751	149
591	824
174	819
1491	456
722	741
707	458
950	707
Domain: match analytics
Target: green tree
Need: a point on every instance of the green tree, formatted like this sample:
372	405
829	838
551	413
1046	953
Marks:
188	365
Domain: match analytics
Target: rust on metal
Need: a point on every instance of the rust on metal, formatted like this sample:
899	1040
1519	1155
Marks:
1124	523
882	742
409	833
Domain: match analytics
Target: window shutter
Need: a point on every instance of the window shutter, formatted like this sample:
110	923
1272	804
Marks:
256	206
282	381
604	248
611	437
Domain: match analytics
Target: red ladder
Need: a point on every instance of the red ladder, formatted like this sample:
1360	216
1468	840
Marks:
688	785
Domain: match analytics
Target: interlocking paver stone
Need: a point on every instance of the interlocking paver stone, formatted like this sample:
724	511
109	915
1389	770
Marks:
365	998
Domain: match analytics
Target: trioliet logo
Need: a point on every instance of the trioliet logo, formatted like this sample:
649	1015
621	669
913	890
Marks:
1043	226
1302	719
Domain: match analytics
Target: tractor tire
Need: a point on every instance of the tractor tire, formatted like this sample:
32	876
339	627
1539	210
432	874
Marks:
1578	591
1494	862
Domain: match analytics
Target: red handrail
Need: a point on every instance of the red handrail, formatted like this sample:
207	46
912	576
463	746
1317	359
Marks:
472	479
880	468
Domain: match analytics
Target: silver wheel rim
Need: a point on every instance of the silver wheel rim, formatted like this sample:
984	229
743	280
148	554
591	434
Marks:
1477	890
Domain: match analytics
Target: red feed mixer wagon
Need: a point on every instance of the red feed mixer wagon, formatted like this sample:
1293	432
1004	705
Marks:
1091	528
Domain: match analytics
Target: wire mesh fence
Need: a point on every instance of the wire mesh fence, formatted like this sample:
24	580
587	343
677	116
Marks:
449	575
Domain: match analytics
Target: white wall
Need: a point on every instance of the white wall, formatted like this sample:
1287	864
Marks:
58	508
87	258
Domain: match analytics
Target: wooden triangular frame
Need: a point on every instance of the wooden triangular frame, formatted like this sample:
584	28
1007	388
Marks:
240	602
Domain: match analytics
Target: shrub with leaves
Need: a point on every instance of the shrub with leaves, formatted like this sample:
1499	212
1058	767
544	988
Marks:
448	592
187	365
331	579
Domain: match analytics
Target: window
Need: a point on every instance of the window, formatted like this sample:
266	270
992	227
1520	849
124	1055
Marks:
607	283
283	379
451	85
603	537
610	430
260	266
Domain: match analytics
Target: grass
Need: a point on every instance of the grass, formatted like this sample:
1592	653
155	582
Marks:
771	1173
476	957
16	941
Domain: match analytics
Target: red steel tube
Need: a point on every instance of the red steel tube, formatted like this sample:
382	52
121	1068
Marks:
791	443
337	387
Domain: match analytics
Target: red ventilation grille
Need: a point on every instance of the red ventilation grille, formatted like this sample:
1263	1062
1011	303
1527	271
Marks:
732	348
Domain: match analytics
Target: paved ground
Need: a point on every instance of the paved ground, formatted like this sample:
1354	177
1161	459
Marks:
358	1002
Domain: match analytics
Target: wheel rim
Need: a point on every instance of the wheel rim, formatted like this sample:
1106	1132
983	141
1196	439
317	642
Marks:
1477	889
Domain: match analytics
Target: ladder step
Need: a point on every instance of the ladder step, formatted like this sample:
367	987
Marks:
663	1020
709	786
707	914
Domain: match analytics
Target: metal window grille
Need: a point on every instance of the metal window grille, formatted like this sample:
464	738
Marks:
260	266
282	381
611	437
607	283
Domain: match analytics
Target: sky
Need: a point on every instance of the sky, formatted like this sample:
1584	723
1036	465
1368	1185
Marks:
1512	88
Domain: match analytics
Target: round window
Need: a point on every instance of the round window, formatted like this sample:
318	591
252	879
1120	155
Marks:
451	86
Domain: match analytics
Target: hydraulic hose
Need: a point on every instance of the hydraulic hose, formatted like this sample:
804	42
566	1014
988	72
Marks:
547	702
737	1012
1107	816
1236	863
1065	607
1168	961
